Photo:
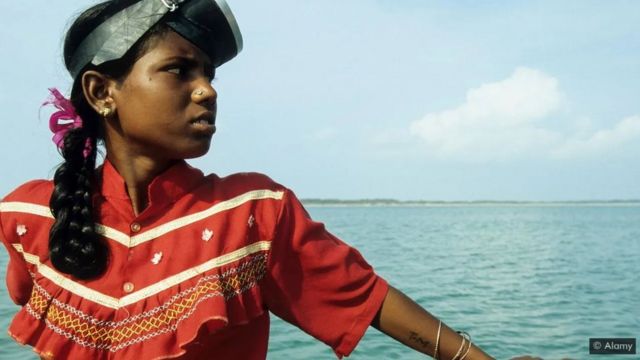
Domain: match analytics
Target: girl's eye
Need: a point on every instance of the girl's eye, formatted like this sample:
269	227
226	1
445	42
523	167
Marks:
178	70
184	71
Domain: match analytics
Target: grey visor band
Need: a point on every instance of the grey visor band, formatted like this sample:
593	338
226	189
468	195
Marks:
208	24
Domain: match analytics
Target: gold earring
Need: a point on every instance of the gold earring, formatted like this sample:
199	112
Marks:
105	112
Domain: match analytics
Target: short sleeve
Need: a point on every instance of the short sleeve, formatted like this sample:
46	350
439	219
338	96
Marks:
319	283
19	282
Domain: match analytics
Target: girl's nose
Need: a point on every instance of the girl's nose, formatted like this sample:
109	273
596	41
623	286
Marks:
204	93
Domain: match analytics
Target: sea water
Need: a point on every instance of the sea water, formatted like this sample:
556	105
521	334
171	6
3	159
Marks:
520	279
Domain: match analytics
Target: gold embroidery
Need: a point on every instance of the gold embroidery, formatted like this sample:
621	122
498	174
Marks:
47	355
113	336
115	303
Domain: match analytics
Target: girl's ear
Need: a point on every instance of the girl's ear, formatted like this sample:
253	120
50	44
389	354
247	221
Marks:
98	89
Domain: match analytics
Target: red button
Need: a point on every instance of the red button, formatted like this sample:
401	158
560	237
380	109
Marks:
135	227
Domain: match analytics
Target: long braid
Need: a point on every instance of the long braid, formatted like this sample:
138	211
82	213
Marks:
75	247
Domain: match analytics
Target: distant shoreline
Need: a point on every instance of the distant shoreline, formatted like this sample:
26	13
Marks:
426	203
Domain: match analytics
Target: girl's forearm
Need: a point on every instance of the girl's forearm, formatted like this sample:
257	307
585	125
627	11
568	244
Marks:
404	320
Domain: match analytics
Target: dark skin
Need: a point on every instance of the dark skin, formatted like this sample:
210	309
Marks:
407	322
151	128
154	106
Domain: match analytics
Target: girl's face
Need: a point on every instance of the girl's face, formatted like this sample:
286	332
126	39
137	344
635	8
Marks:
166	106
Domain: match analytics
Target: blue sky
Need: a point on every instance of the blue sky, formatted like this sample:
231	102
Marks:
435	100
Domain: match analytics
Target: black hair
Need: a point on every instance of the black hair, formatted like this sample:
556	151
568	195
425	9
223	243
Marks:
75	247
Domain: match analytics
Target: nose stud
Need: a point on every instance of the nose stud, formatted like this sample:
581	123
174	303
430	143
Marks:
199	92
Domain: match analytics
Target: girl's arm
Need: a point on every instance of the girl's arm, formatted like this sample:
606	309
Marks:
404	320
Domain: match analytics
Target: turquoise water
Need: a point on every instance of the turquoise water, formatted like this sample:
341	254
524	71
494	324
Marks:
536	280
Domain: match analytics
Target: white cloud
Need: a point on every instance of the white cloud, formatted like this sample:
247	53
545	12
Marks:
600	141
528	94
502	121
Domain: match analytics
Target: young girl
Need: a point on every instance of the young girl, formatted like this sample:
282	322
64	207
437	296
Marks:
145	256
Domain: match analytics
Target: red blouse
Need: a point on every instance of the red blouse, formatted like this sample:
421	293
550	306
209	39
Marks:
193	276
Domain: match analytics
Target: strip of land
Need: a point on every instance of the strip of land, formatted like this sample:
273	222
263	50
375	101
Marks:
436	203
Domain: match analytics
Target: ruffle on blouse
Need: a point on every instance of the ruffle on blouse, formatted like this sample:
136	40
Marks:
62	325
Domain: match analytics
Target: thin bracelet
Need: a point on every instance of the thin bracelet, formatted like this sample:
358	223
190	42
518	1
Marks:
455	357
435	353
469	348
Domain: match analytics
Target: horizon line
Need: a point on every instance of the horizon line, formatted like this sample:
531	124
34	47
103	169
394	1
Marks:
409	202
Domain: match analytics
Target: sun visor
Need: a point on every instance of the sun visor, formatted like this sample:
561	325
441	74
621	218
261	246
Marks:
208	24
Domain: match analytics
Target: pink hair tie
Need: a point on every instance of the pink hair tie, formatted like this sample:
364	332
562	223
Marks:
63	120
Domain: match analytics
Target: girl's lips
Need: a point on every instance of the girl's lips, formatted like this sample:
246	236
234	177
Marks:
205	123
203	128
206	117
